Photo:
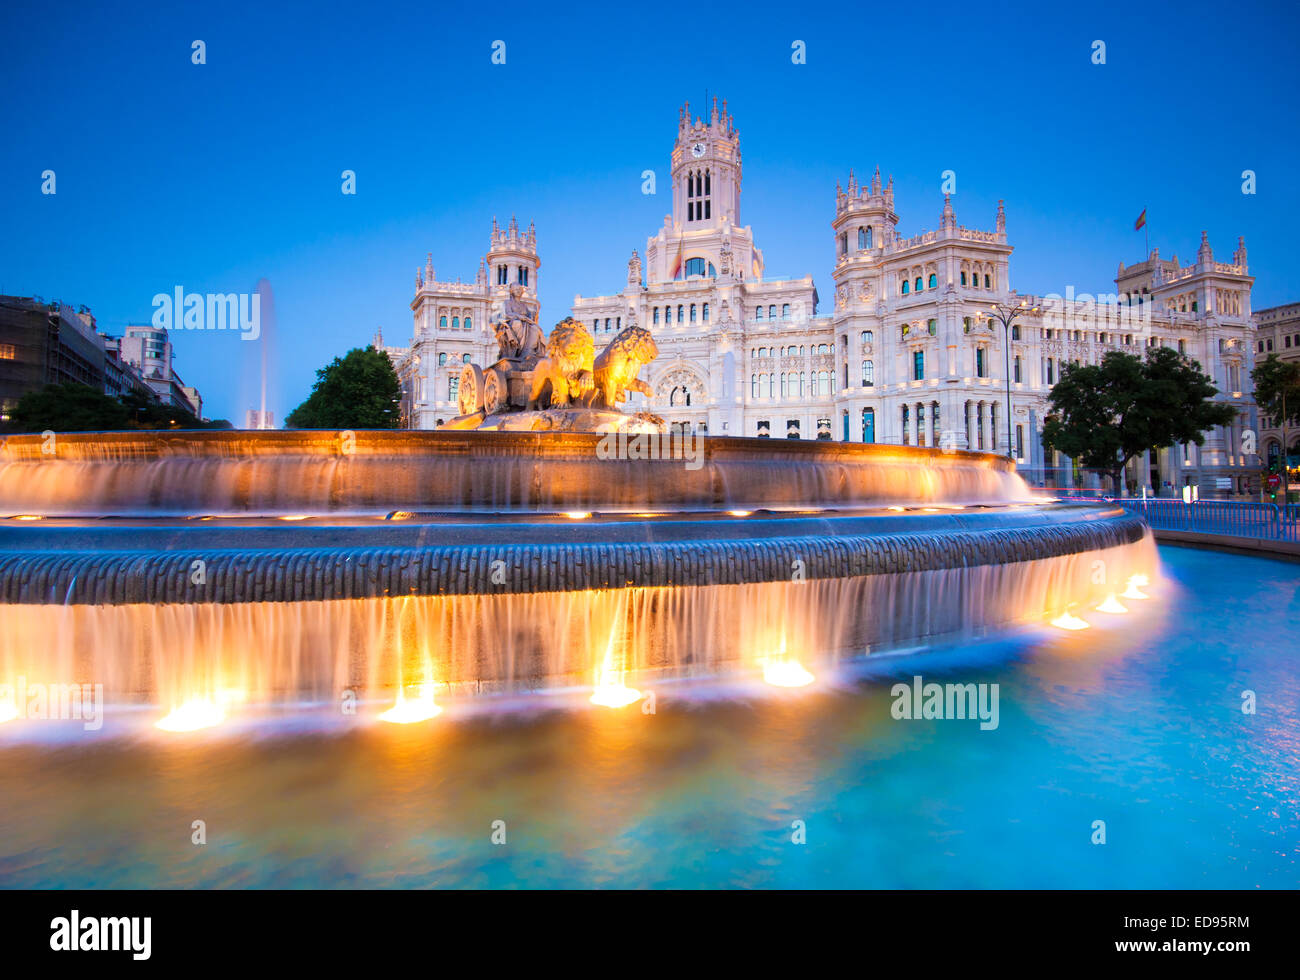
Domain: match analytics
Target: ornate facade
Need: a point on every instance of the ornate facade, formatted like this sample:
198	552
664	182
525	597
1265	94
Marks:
910	352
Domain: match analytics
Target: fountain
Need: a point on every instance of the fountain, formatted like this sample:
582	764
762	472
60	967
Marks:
545	540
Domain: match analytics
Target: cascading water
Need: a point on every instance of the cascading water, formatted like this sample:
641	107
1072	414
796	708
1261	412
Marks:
461	597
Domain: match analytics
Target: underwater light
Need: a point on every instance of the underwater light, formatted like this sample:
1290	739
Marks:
191	716
1068	621
418	709
1112	606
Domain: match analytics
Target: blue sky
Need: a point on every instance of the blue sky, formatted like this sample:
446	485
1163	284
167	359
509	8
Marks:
215	176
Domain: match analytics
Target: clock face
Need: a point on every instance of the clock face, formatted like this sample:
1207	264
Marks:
697	150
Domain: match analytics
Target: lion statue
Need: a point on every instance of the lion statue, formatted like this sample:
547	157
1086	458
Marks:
566	370
619	364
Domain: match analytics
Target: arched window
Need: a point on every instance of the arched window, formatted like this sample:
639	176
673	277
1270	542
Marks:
771	386
692	313
868	336
1017	369
785	311
455	323
868	374
681	313
932	326
695	267
753	386
918	284
905	287
758	312
1015	331
934	280
907	415
469	323
607	320
821	349
825	378
442	359
784	390
656	314
963	277
442	323
706	312
802	380
464	358
771	312
987	281
862	239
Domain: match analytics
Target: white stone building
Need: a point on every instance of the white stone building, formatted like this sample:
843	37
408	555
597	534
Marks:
909	352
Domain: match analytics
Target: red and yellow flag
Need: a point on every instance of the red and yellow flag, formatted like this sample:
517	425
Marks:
677	262
1142	219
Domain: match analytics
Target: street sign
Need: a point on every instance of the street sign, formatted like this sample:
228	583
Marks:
1273	481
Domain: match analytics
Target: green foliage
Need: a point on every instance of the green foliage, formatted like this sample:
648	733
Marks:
1105	414
73	407
68	407
357	391
1277	389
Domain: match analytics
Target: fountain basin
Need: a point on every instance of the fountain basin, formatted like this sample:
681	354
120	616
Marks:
325	566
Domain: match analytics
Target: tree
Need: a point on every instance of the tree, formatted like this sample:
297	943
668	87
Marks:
1105	414
68	407
357	391
1277	393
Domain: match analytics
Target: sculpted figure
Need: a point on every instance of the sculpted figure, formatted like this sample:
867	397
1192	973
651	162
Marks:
615	371
566	370
518	336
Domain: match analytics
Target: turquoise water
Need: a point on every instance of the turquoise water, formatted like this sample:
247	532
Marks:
1137	723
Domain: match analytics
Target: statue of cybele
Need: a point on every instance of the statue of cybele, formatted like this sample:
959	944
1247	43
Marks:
518	336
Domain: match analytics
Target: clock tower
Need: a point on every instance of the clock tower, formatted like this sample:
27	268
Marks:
706	171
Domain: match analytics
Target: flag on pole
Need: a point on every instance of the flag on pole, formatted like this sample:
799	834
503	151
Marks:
677	262
1142	220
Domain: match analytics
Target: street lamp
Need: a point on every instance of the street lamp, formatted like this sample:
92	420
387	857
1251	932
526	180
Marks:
1006	314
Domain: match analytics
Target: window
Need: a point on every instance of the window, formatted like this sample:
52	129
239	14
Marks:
1017	369
758	312
455	323
523	275
763	429
442	323
771	312
918	284
862	239
844	243
904	287
503	275
606	324
868	374
442	359
681	312
963	277
656	315
453	387
8	352
1020	442
868	425
469	323
785	311
464	358
706	312
868	336
695	267
692	313
753	386
822	349
1015	331
934	281
932	326
906	417
980	366
987	281
918	365
966	324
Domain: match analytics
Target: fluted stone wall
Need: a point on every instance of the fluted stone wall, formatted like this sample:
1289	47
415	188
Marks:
294	574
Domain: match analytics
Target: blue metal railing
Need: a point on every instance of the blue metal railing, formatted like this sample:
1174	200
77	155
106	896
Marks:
1243	518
